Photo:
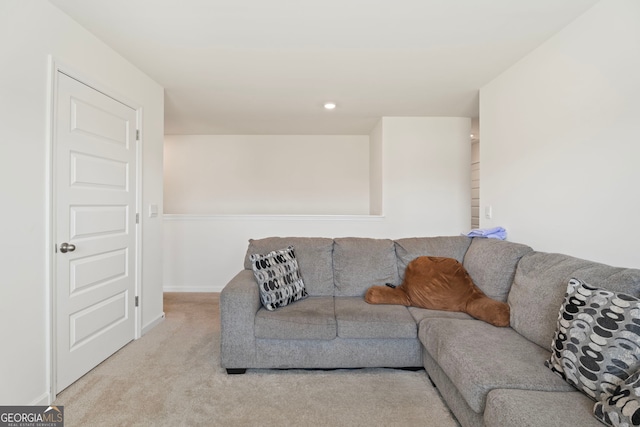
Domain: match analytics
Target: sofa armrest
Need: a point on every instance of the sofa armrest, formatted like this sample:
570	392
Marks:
239	303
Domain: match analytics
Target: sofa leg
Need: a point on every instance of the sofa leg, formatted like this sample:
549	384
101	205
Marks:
238	371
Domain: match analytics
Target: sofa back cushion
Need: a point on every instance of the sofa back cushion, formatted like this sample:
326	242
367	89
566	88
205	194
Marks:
359	263
541	282
444	246
492	265
314	256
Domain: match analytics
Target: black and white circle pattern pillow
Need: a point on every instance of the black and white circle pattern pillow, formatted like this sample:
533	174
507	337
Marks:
622	408
596	346
278	278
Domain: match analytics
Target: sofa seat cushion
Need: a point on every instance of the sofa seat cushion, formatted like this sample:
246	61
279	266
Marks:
311	318
478	357
526	408
357	319
419	314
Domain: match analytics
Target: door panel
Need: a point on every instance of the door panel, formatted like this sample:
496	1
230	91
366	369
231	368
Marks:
94	204
97	172
91	119
93	321
97	270
92	221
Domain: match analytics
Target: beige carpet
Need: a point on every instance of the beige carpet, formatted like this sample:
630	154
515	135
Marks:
172	376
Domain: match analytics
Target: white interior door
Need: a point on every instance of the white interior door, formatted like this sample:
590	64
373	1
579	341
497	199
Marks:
94	227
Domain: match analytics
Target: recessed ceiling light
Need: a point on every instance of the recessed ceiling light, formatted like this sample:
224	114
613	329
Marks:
329	105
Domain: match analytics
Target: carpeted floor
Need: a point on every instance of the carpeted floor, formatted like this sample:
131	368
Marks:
172	377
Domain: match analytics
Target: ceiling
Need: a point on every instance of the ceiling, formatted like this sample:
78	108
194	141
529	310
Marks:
268	66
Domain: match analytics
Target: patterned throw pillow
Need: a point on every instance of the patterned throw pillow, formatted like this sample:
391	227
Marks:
278	278
596	346
622	408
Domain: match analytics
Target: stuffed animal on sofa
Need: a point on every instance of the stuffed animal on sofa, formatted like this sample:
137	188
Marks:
440	283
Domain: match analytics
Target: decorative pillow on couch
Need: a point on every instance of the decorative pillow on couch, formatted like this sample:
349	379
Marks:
278	278
596	346
622	408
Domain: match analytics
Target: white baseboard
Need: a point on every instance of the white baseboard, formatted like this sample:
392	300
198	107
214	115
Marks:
42	400
155	322
192	288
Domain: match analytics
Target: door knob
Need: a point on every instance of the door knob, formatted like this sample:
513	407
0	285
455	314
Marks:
67	247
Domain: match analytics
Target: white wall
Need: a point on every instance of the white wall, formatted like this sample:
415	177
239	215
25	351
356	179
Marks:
561	140
266	174
425	176
375	170
29	32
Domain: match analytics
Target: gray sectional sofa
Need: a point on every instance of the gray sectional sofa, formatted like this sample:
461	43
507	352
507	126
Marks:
488	376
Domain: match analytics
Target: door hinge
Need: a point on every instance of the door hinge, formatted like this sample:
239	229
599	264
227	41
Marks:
137	134
137	218
137	301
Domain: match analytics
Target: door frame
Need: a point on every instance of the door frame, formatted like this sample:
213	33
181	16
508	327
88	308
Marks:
56	67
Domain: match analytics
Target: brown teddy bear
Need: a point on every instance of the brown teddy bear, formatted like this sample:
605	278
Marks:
441	283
